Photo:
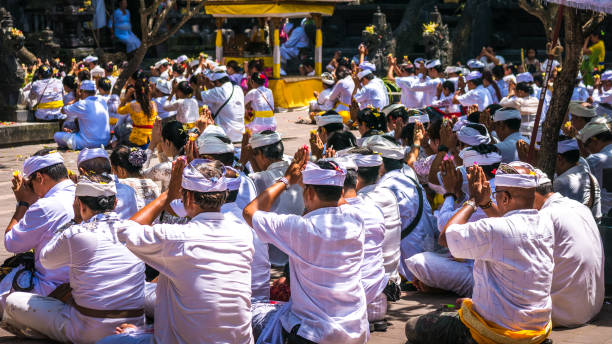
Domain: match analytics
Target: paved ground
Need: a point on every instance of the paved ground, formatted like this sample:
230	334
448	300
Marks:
411	304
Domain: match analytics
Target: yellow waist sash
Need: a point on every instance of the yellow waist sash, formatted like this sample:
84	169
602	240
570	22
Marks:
50	105
263	114
485	332
341	103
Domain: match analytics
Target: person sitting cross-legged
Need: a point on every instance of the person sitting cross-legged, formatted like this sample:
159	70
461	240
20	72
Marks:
106	279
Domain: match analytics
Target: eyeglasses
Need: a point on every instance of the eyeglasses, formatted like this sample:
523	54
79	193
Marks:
496	192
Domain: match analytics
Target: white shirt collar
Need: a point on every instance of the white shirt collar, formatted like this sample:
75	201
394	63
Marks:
57	187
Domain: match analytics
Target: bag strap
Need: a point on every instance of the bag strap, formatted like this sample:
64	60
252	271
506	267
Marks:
419	214
214	116
266	99
42	94
591	192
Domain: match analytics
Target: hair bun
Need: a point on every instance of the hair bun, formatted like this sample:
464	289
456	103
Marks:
137	157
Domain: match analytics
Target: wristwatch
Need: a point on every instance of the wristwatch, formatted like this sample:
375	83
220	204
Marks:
471	203
442	148
284	181
23	203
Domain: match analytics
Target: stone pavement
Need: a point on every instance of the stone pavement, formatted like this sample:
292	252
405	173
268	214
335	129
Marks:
296	135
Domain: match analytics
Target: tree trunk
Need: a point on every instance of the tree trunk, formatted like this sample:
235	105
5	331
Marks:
563	88
133	65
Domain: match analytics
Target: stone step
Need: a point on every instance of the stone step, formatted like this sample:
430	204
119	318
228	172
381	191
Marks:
27	133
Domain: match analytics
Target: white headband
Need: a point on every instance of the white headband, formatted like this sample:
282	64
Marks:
365	65
505	114
363	73
88	85
594	127
419	118
194	180
346	162
214	130
471	136
91	153
36	163
471	157
525	181
233	184
461	122
371	160
260	140
88	188
567	145
524	77
211	144
314	175
606	76
97	71
542	177
386	148
328	119
576	109
473	75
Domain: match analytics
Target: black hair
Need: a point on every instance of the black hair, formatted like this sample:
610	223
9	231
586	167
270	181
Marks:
232	195
193	80
397	113
130	159
138	74
83	75
407	133
437	68
544	189
498	72
174	132
257	64
233	64
104	84
450	85
273	151
258	78
179	68
372	119
223	80
571	156
538	79
369	76
327	193
70	82
486	148
474	117
604	137
308	63
340	140
477	81
108	67
344	61
44	72
513	124
99	204
482	130
96	166
525	87
350	181
392	164
56	172
433	129
226	159
185	88
493	108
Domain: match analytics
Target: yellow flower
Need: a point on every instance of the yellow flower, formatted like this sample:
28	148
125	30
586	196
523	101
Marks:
568	124
16	173
430	28
313	132
369	29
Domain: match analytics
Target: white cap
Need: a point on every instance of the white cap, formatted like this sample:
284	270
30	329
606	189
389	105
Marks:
390	108
577	109
371	160
524	77
327	119
567	145
385	148
594	127
88	188
419	60
91	153
452	69
36	163
473	75
212	144
88	85
509	78
194	180
260	139
181	59
218	73
214	130
233	184
472	137
160	63
163	86
432	63
606	76
90	59
506	114
526	181
314	175
97	71
471	157
194	63
475	64
327	79
363	73
365	65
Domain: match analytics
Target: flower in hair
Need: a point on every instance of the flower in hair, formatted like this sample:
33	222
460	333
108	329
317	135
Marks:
137	157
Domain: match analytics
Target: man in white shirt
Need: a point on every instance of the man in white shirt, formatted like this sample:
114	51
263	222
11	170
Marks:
428	85
410	99
160	96
226	101
578	278
328	303
322	103
602	95
581	114
46	95
106	279
513	264
296	39
574	179
507	124
522	99
476	94
45	196
370	91
597	140
342	93
203	292
92	114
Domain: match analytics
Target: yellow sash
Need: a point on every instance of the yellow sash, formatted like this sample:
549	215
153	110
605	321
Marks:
341	103
263	114
485	332
346	116
50	105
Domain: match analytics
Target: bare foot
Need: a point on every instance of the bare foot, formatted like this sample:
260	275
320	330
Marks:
123	328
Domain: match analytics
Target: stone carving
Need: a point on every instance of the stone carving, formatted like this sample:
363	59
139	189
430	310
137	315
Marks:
379	40
436	39
11	41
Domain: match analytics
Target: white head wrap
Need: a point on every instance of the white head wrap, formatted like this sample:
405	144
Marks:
36	163
576	109
194	180
97	71
452	69
418	60
216	76
181	59
214	130
525	181
471	136
509	78
91	153
606	76
541	177
211	144
506	114
386	148
524	77
163	86
90	59
475	64
88	85
233	184
473	75
365	65
194	63
314	175
461	121
390	108
327	79
260	140
419	118
371	160
567	145
471	157
160	63
327	119
432	63
595	126
88	188
363	73
346	162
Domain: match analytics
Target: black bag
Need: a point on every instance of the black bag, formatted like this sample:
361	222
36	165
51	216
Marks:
26	260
